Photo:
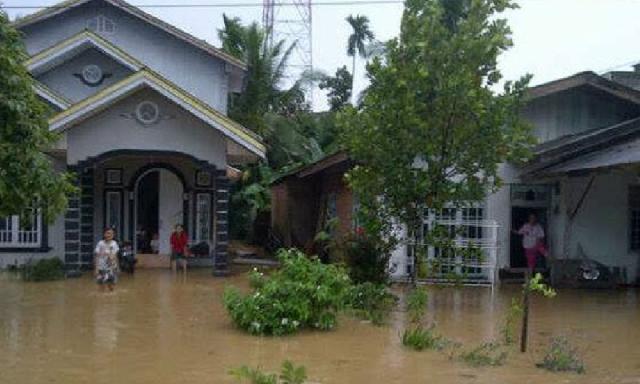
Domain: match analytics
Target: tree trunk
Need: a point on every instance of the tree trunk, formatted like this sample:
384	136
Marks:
525	314
353	81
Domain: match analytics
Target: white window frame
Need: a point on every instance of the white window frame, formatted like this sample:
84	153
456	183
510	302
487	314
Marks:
17	237
198	212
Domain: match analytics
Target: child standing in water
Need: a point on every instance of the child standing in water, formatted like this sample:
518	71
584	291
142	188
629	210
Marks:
106	260
179	240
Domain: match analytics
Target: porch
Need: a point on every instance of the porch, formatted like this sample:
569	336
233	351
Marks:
142	195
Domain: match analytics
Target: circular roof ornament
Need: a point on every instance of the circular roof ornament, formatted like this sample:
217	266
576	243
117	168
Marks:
92	74
147	113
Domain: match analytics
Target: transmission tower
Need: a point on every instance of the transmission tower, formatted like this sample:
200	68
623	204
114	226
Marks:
290	20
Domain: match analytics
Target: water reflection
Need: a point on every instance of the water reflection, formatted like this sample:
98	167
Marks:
163	328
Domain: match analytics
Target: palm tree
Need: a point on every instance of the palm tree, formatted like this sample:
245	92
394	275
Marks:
266	72
356	43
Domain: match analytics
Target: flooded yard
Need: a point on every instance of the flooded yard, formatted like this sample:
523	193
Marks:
162	328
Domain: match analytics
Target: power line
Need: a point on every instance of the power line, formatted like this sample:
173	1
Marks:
224	5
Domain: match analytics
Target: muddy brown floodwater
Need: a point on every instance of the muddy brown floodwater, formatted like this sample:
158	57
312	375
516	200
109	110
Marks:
158	328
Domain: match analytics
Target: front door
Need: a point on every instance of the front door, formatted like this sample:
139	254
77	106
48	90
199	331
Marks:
170	211
159	207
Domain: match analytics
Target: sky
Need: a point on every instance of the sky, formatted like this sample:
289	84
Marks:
552	38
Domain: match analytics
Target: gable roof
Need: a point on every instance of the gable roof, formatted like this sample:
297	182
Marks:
587	78
146	78
137	12
65	49
338	159
550	155
50	95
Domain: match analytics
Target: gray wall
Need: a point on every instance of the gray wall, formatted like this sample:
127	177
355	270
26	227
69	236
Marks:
574	111
189	67
177	130
62	80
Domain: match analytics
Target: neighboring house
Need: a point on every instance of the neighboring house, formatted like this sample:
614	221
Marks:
141	109
583	183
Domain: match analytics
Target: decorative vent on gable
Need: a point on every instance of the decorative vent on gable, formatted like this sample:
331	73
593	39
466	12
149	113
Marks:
101	24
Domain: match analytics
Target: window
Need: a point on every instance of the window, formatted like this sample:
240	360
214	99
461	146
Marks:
203	217
17	232
101	24
332	206
634	217
113	211
355	209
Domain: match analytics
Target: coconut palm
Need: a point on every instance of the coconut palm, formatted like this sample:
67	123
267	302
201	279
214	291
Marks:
356	45
266	72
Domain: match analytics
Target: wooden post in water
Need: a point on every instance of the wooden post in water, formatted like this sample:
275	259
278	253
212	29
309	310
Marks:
525	313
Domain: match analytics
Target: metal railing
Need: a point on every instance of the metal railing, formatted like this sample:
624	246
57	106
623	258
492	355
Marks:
454	262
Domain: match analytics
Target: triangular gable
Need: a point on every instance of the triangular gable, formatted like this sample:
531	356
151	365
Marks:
69	48
51	96
140	14
584	79
145	78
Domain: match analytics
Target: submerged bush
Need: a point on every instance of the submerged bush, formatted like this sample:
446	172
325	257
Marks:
289	374
365	258
420	338
43	270
371	302
487	354
562	357
303	293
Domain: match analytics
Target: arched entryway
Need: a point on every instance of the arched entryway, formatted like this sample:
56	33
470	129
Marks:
158	206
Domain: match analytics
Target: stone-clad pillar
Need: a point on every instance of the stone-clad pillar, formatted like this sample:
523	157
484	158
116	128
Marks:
87	203
72	227
221	258
78	222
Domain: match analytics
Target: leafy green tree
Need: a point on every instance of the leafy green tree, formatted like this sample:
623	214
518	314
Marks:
266	72
431	129
356	45
27	176
339	88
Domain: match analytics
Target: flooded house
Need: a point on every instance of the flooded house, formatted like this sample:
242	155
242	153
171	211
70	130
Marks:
140	107
583	184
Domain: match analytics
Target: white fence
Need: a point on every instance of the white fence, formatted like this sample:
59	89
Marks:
14	234
471	254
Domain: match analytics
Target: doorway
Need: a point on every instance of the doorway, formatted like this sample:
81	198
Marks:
158	208
519	216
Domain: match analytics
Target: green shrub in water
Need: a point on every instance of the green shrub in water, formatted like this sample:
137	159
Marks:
372	302
303	293
487	354
420	338
562	357
416	303
289	374
43	270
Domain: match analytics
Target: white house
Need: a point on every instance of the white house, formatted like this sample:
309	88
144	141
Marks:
141	109
583	183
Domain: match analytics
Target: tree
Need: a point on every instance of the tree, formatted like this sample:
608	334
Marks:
431	130
339	88
356	43
266	72
27	177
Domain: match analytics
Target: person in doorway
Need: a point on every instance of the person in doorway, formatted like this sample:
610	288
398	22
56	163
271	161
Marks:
179	250
532	240
106	260
154	244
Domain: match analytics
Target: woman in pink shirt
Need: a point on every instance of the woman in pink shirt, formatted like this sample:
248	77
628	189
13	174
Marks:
532	240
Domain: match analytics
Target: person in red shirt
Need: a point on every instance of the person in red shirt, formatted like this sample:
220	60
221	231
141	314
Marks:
179	247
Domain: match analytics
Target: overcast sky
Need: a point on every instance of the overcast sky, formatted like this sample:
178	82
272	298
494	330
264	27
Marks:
553	38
